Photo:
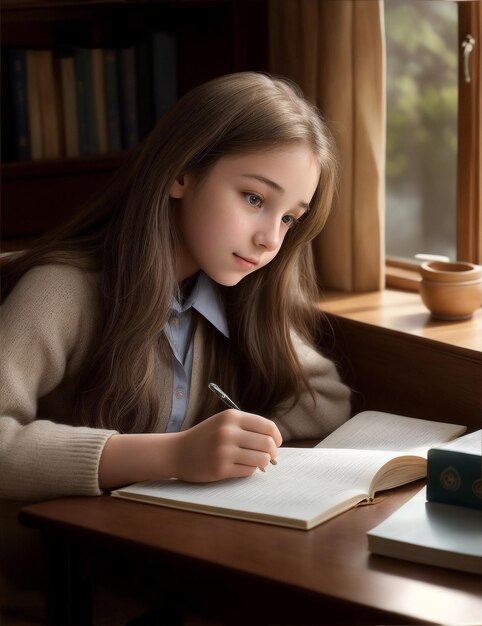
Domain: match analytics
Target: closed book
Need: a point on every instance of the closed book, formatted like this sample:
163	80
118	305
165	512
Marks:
88	143
34	114
145	86
164	61
112	99
98	86
49	99
7	139
69	103
432	533
17	88
128	91
454	472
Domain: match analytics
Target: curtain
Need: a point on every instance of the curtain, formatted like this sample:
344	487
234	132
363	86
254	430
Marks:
335	51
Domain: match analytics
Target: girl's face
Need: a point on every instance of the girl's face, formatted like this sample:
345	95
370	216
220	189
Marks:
234	221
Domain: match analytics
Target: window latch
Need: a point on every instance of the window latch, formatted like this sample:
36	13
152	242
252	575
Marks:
468	46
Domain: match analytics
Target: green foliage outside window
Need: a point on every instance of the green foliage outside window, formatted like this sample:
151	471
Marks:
422	65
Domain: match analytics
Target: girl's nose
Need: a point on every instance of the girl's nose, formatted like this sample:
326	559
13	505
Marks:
268	235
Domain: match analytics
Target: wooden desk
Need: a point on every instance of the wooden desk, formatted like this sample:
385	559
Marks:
248	573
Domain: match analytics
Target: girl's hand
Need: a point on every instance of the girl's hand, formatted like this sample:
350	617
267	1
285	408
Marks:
227	445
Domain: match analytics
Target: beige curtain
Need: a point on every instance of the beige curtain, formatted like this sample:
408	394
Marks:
334	49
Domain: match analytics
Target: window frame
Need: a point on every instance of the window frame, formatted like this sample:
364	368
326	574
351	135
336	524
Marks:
405	274
469	223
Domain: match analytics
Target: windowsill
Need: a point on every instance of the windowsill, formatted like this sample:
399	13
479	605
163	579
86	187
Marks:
404	312
402	276
397	358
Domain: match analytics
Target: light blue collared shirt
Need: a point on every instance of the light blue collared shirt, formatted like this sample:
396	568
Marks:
206	300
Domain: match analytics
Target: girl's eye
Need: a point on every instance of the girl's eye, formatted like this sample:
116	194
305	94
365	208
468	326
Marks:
289	220
253	199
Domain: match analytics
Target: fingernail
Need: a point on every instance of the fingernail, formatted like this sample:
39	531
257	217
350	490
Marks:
274	461
262	469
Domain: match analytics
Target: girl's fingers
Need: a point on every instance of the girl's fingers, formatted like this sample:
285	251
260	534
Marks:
260	443
257	424
251	459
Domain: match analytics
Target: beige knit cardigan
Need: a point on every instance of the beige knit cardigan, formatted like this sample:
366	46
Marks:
48	324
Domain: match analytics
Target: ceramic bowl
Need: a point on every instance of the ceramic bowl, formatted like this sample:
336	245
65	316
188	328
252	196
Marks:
451	291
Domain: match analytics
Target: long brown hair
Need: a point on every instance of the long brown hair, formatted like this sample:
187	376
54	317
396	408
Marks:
128	236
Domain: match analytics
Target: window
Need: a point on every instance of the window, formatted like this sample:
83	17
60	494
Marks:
421	157
433	130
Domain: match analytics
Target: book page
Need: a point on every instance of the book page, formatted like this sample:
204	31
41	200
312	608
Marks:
469	444
311	485
304	484
375	430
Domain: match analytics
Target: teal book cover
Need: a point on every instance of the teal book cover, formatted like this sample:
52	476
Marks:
128	96
145	87
88	143
112	99
454	472
164	67
17	89
432	533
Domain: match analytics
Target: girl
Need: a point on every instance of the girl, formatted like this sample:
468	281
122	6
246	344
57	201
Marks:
194	266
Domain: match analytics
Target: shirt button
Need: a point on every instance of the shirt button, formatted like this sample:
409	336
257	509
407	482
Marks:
175	321
179	394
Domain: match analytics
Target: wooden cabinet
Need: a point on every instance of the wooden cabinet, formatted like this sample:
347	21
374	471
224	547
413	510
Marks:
213	37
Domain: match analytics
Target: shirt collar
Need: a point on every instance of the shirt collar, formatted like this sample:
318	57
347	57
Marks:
205	298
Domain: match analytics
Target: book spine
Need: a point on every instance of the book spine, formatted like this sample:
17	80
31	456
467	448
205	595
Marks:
128	90
69	105
164	61
7	138
98	87
34	116
145	90
85	102
17	85
49	104
454	477
112	95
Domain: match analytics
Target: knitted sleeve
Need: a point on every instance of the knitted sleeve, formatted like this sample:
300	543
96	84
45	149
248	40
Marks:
46	327
315	418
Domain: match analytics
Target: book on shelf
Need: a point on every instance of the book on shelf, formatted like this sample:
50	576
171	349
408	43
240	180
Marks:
454	472
432	533
16	67
49	100
112	102
69	101
164	62
34	114
145	86
98	89
371	452
86	121
128	91
6	134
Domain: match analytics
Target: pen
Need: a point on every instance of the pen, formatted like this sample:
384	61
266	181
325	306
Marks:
223	396
227	400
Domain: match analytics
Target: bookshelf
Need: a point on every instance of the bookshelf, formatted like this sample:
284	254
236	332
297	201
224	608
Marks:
209	38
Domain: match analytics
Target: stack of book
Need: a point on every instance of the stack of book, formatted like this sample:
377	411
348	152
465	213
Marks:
75	101
442	524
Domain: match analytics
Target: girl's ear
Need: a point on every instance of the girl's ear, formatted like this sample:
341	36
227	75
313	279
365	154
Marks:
179	187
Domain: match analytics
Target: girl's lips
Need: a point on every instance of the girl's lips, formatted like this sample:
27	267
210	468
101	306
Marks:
246	263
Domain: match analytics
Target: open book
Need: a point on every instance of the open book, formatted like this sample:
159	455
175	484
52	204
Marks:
370	452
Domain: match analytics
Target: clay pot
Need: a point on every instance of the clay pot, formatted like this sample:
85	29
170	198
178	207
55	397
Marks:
451	291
